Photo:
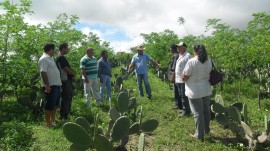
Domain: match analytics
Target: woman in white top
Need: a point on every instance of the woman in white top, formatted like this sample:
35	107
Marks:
198	89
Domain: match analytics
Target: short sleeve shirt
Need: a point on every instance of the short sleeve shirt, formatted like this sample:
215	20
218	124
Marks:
61	63
180	65
90	66
198	85
141	63
48	65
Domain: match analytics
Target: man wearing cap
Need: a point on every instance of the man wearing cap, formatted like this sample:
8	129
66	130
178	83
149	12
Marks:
171	75
139	60
184	56
88	65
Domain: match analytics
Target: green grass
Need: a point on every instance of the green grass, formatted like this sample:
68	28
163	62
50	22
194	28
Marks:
171	135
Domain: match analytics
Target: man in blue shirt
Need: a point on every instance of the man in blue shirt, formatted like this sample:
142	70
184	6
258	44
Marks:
104	74
140	60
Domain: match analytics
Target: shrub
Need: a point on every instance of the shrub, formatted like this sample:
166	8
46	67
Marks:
15	135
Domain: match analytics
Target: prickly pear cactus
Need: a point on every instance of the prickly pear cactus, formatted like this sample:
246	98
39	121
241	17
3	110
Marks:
219	99
122	102
234	114
149	125
114	114
238	105
218	108
135	128
141	142
102	143
247	130
76	147
245	112
76	134
222	119
84	123
120	128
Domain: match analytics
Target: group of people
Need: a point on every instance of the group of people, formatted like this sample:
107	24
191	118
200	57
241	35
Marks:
192	89
57	76
190	75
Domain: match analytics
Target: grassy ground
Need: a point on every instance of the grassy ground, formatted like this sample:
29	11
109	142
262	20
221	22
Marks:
171	135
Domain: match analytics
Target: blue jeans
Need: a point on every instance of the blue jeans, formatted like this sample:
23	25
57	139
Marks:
143	77
105	85
201	109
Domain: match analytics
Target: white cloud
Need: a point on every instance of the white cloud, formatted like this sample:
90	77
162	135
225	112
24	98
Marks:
134	17
124	46
87	30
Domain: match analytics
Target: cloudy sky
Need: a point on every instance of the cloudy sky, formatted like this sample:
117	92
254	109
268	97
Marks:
121	21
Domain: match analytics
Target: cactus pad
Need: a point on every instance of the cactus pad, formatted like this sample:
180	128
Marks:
83	123
102	143
141	142
218	108
245	112
114	114
233	127
132	103
76	134
122	102
135	128
222	119
238	105
120	128
149	125
219	99
76	147
247	130
234	114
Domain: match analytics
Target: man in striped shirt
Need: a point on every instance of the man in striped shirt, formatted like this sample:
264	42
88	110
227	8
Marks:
88	65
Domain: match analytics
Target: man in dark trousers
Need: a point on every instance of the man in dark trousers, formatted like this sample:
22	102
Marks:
171	75
66	74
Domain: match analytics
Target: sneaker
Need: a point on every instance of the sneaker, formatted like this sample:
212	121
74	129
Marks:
149	97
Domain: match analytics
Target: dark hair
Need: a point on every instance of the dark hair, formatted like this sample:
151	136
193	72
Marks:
202	55
62	46
103	52
48	47
90	48
173	47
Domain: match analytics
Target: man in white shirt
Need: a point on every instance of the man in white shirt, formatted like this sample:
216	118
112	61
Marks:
51	82
184	56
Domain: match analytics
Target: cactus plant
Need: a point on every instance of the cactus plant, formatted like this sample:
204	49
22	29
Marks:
123	102
222	119
218	108
238	105
84	123
245	112
149	125
102	143
234	113
76	134
114	114
219	99
141	142
135	128
120	128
